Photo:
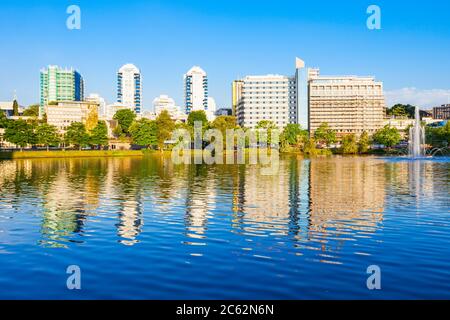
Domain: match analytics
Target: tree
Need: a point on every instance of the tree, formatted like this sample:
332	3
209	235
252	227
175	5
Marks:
125	119
47	135
324	134
165	126
438	137
349	144
310	147
224	123
268	126
387	136
198	115
31	111
19	133
144	132
15	108
3	120
99	135
295	135
364	142
77	135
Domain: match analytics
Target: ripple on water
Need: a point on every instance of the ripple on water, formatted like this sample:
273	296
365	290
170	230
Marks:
145	228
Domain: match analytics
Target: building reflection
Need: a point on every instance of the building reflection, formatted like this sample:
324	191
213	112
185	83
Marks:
320	203
311	201
200	200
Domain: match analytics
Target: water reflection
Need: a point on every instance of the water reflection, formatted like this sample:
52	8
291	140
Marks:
315	204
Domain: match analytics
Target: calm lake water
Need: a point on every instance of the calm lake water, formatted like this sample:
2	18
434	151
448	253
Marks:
143	228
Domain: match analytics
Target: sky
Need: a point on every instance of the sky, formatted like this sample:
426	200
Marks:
229	39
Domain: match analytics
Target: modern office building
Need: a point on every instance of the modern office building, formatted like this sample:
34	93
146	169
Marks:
442	112
349	104
264	98
64	113
196	90
129	87
277	98
57	84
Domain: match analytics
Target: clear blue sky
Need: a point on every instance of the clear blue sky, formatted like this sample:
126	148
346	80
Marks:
226	38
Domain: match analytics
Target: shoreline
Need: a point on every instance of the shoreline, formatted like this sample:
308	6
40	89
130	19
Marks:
62	154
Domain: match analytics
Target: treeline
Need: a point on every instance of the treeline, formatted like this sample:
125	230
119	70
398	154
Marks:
34	132
155	133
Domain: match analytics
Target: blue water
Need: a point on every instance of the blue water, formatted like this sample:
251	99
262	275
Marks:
143	228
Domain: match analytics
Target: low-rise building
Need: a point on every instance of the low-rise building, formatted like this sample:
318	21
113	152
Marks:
442	112
111	109
64	113
224	112
7	107
401	124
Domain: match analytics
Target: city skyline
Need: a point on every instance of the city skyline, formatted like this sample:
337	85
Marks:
391	54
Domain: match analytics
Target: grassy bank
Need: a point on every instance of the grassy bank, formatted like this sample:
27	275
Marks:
70	154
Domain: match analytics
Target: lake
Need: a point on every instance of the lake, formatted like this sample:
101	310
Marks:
144	228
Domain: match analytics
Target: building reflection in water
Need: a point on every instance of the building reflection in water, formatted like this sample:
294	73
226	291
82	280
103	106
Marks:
200	200
125	187
316	204
311	201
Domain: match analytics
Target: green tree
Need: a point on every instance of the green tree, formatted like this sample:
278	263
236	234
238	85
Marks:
199	115
3	120
364	142
310	147
47	135
404	111
438	137
165	126
144	132
349	144
269	126
387	136
15	108
118	131
99	135
324	134
125	119
77	135
224	123
31	111
295	135
19	133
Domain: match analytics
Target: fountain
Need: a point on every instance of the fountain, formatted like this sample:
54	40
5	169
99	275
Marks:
417	138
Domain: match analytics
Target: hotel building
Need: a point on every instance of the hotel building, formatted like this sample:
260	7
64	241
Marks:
65	113
277	98
57	84
349	104
129	87
196	90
